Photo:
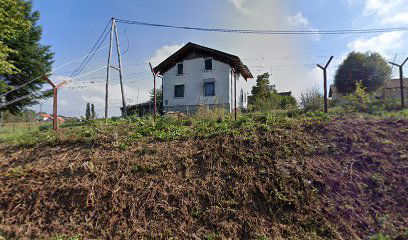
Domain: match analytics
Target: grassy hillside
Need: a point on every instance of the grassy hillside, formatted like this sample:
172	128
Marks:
265	176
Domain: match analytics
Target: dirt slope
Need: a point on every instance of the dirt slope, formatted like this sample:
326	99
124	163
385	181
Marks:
346	179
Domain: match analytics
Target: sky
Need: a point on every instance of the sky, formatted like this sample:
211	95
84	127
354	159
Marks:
72	27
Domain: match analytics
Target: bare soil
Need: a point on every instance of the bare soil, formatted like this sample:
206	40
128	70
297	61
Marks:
346	179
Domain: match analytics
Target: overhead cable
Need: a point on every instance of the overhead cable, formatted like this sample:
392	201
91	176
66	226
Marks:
270	32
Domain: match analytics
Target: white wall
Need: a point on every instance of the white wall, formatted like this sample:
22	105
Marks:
193	79
244	88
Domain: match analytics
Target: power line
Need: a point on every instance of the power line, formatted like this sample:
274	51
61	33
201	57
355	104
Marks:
79	59
81	67
63	65
270	32
34	93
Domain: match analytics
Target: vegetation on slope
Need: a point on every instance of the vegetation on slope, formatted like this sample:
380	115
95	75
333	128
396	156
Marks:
262	177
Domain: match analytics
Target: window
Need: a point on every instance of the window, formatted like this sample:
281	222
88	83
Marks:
209	89
208	64
180	68
179	91
166	102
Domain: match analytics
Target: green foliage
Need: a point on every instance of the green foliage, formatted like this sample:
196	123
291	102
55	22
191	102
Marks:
30	59
126	131
88	112
311	100
93	114
18	171
143	169
359	100
13	23
265	97
380	236
213	236
65	237
159	99
362	102
287	102
371	69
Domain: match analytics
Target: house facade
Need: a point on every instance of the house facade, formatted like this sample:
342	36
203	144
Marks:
199	76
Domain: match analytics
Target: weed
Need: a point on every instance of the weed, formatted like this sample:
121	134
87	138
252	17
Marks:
18	171
196	212
143	169
213	236
64	237
380	236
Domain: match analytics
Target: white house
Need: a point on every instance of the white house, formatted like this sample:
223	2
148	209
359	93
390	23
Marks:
197	75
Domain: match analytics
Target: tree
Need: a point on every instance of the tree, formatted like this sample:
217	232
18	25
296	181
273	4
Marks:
29	58
93	114
371	69
266	97
88	112
13	22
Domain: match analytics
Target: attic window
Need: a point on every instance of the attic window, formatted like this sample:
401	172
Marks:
180	69
208	64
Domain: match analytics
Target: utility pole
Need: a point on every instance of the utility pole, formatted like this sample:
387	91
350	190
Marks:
114	31
401	73
325	81
108	67
154	91
55	101
124	111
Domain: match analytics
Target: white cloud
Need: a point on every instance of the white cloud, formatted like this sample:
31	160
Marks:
164	52
381	43
382	7
399	18
239	4
300	21
384	11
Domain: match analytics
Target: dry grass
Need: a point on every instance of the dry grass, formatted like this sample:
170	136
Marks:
332	180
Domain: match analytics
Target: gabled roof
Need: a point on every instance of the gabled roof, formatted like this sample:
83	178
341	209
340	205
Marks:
234	61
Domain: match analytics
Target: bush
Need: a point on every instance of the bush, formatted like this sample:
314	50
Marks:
359	101
311	100
288	102
45	127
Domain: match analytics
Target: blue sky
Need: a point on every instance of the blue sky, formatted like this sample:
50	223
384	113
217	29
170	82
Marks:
71	28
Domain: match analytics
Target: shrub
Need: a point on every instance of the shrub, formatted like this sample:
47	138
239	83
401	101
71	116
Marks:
311	100
44	127
359	101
